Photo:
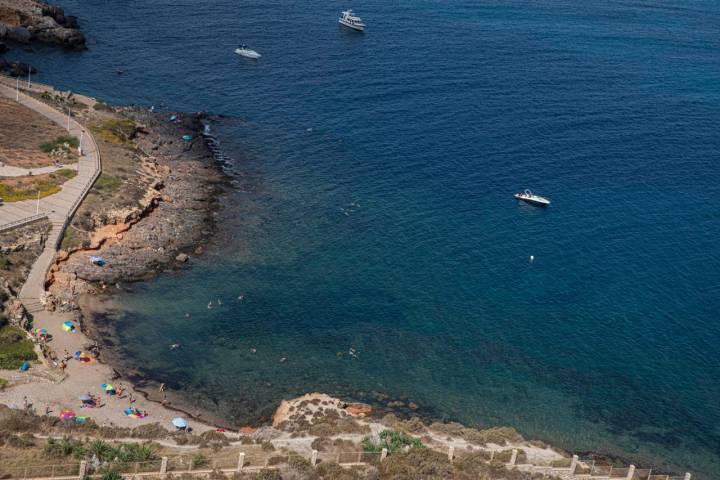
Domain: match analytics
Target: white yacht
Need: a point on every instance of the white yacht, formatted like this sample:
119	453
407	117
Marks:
349	19
530	197
244	51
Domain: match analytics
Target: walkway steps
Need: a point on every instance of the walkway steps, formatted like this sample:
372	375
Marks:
58	208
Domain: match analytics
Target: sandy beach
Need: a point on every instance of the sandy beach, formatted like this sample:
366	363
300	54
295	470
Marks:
46	387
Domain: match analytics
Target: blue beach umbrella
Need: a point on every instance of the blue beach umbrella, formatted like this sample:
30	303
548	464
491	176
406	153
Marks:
179	422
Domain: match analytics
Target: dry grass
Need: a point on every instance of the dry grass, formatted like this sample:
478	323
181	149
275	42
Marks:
116	131
22	131
15	189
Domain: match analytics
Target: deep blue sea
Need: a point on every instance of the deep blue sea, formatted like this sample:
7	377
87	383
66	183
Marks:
372	209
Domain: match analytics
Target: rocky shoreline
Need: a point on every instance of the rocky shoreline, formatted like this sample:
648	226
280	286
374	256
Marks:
30	21
168	225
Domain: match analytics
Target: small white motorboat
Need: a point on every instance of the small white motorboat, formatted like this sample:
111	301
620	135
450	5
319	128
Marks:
244	51
349	19
530	197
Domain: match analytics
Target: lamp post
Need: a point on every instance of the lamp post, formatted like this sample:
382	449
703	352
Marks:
68	120
17	89
29	70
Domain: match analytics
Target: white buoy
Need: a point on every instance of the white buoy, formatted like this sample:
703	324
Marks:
532	258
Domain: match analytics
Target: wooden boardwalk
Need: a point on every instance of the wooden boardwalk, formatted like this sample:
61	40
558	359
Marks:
58	208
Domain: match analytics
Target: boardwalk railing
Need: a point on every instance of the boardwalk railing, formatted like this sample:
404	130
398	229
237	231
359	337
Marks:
252	458
97	163
23	221
76	204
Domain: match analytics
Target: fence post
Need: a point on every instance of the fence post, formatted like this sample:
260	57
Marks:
82	470
451	453
573	464
513	457
241	461
687	476
631	472
163	465
383	454
313	458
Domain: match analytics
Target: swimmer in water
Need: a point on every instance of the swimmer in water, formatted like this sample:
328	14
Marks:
209	305
174	346
240	297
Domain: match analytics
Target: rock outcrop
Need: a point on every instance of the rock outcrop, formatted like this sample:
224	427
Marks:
25	21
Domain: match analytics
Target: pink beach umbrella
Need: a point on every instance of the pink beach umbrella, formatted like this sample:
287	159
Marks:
67	415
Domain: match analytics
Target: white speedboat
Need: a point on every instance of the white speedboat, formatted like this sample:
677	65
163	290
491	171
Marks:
244	51
349	19
530	197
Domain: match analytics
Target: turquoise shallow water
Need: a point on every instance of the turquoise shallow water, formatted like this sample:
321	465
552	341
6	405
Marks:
373	210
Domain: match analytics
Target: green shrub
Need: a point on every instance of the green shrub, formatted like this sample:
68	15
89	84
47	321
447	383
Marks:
136	452
112	475
102	450
268	474
15	348
299	464
48	147
393	440
64	447
199	460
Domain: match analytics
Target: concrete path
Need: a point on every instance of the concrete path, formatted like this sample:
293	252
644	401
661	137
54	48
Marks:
10	171
58	208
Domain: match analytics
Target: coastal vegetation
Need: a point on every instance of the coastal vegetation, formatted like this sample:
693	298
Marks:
107	183
391	440
116	131
67	143
15	348
15	189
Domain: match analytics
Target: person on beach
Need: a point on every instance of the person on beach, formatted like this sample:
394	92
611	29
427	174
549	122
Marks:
162	387
131	398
